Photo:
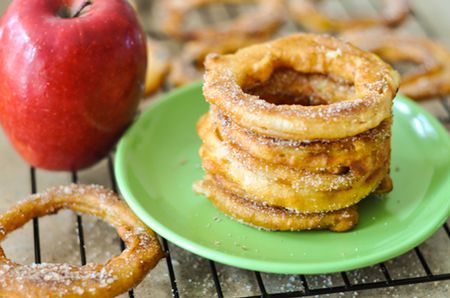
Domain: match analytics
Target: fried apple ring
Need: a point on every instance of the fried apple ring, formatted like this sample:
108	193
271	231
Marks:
267	18
431	79
306	13
215	148
188	67
93	280
335	156
158	62
158	66
291	188
230	79
357	154
274	218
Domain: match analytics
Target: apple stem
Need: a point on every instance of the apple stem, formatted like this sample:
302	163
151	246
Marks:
80	11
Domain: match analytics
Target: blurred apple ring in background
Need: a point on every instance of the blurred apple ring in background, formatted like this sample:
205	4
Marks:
306	13
158	62
430	80
274	218
120	273
188	67
228	79
158	66
300	190
262	22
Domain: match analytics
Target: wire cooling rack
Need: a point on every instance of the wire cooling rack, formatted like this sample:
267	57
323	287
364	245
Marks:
306	290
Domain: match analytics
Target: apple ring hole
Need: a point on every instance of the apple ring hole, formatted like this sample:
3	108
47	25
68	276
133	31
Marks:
286	86
55	244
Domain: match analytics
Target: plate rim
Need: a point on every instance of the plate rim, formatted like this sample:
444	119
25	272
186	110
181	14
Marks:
250	263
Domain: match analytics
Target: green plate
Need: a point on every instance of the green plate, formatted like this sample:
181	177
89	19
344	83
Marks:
157	162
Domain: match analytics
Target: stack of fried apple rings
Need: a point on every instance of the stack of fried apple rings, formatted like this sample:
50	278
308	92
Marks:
298	132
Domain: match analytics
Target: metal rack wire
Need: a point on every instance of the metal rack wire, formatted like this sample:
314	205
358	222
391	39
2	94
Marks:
307	290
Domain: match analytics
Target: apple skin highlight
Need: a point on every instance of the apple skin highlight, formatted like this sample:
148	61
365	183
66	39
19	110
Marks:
72	73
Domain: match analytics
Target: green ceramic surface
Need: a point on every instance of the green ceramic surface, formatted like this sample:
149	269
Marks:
157	162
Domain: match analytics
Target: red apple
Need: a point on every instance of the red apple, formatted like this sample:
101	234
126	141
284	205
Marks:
71	76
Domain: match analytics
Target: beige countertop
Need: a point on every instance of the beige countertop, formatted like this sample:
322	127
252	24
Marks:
59	240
